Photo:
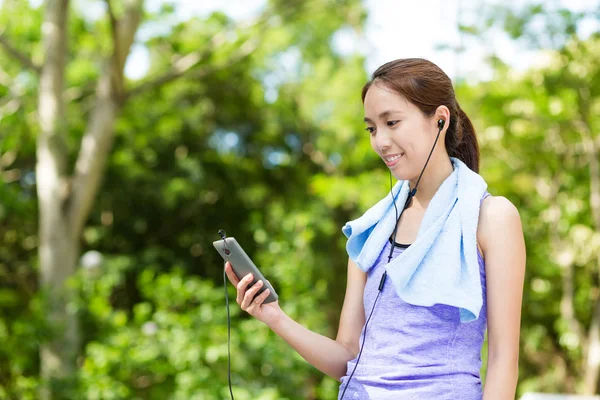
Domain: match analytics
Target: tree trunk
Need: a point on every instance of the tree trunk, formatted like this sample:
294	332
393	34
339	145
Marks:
592	370
58	259
58	249
592	358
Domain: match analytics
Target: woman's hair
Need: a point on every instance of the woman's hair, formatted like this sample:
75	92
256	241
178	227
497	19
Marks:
425	85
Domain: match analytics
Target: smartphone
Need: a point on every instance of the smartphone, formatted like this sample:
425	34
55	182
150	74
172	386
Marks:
242	265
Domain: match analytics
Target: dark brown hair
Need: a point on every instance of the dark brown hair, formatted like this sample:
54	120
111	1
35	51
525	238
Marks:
425	85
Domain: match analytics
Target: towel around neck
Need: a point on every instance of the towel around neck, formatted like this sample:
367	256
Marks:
441	266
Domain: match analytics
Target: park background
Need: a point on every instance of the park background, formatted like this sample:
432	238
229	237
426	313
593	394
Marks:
131	131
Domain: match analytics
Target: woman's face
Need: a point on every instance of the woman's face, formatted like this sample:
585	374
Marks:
400	134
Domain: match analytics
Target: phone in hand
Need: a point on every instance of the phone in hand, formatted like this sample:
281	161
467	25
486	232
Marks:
242	265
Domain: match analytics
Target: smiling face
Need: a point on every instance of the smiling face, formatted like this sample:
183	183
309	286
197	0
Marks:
400	134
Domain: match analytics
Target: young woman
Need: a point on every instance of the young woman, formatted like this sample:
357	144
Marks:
453	256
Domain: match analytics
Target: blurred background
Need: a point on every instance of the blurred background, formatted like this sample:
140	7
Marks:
131	131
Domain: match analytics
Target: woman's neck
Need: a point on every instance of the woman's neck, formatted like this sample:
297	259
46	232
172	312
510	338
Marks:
435	174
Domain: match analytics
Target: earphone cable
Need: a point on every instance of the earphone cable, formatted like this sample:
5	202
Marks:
377	297
228	334
426	162
411	194
364	337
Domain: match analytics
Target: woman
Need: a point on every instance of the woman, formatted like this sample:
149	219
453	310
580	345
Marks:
455	258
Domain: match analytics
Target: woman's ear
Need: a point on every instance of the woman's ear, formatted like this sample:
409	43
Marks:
442	114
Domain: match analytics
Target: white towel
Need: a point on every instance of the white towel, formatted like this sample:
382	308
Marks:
441	266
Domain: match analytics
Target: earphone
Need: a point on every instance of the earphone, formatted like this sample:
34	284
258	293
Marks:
440	124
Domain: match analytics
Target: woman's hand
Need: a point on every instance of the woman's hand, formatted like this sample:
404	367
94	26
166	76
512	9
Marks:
268	313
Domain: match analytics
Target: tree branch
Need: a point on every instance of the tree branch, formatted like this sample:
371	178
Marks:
179	68
12	101
97	140
23	58
186	63
591	153
113	22
126	29
116	76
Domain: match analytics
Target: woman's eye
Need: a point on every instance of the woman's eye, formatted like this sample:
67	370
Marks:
392	123
370	129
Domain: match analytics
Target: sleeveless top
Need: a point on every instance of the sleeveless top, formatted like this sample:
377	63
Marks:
414	352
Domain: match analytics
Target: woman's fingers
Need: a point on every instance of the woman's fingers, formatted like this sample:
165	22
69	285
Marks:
250	293
231	275
258	301
261	298
245	297
241	288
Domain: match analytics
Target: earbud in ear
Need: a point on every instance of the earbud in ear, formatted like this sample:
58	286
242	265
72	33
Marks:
441	123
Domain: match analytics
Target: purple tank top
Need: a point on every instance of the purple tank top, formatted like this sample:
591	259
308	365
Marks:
415	352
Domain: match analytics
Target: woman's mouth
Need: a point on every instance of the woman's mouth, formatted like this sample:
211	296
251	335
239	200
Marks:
392	159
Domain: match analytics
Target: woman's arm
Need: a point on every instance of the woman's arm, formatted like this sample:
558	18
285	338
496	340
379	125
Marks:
327	355
501	238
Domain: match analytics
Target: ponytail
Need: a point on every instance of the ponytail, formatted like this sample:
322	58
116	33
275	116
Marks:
461	141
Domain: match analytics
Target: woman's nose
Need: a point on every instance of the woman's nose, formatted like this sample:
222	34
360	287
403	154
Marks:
383	140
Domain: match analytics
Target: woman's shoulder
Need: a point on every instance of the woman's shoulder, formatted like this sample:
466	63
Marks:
494	208
498	216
